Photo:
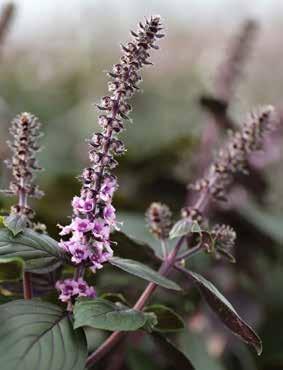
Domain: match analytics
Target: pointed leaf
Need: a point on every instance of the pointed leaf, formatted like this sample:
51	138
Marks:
37	335
128	247
181	228
225	311
173	355
40	252
168	320
102	314
11	269
15	223
144	272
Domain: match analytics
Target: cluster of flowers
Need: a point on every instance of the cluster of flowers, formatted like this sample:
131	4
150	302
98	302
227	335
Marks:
71	289
234	156
93	213
225	236
159	220
25	130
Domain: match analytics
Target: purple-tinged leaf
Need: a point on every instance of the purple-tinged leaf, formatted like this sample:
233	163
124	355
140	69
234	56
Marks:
224	310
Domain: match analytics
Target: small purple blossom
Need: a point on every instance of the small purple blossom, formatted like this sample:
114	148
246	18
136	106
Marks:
68	289
65	230
81	225
84	290
78	251
81	205
101	230
107	189
71	288
109	214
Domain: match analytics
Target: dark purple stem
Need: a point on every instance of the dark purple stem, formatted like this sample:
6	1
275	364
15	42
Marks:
27	284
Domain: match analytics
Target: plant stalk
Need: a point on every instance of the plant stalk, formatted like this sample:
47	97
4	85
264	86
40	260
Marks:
114	338
27	283
27	286
166	266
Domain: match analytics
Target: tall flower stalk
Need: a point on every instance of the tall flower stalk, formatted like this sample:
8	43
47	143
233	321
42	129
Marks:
88	235
25	129
231	159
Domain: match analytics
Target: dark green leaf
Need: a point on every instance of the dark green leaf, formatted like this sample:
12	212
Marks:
40	252
173	355
37	335
138	359
11	269
144	272
168	320
225	311
128	247
15	223
102	314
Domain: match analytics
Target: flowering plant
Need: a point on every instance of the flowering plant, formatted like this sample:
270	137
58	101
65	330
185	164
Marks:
39	334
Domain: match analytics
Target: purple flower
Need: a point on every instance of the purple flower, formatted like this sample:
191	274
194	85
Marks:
100	231
78	251
70	288
101	254
85	290
65	230
81	225
109	214
81	205
107	189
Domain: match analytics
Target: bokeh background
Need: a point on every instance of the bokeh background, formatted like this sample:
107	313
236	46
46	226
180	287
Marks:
53	56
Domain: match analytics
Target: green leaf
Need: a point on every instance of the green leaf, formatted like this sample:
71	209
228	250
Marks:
37	335
102	314
2	218
128	247
144	272
184	227
168	320
15	223
172	354
225	311
40	252
181	228
115	297
139	359
11	269
194	346
196	228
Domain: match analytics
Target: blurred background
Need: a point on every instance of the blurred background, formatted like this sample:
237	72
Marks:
220	59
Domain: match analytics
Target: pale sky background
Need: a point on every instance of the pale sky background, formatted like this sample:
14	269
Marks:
36	17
